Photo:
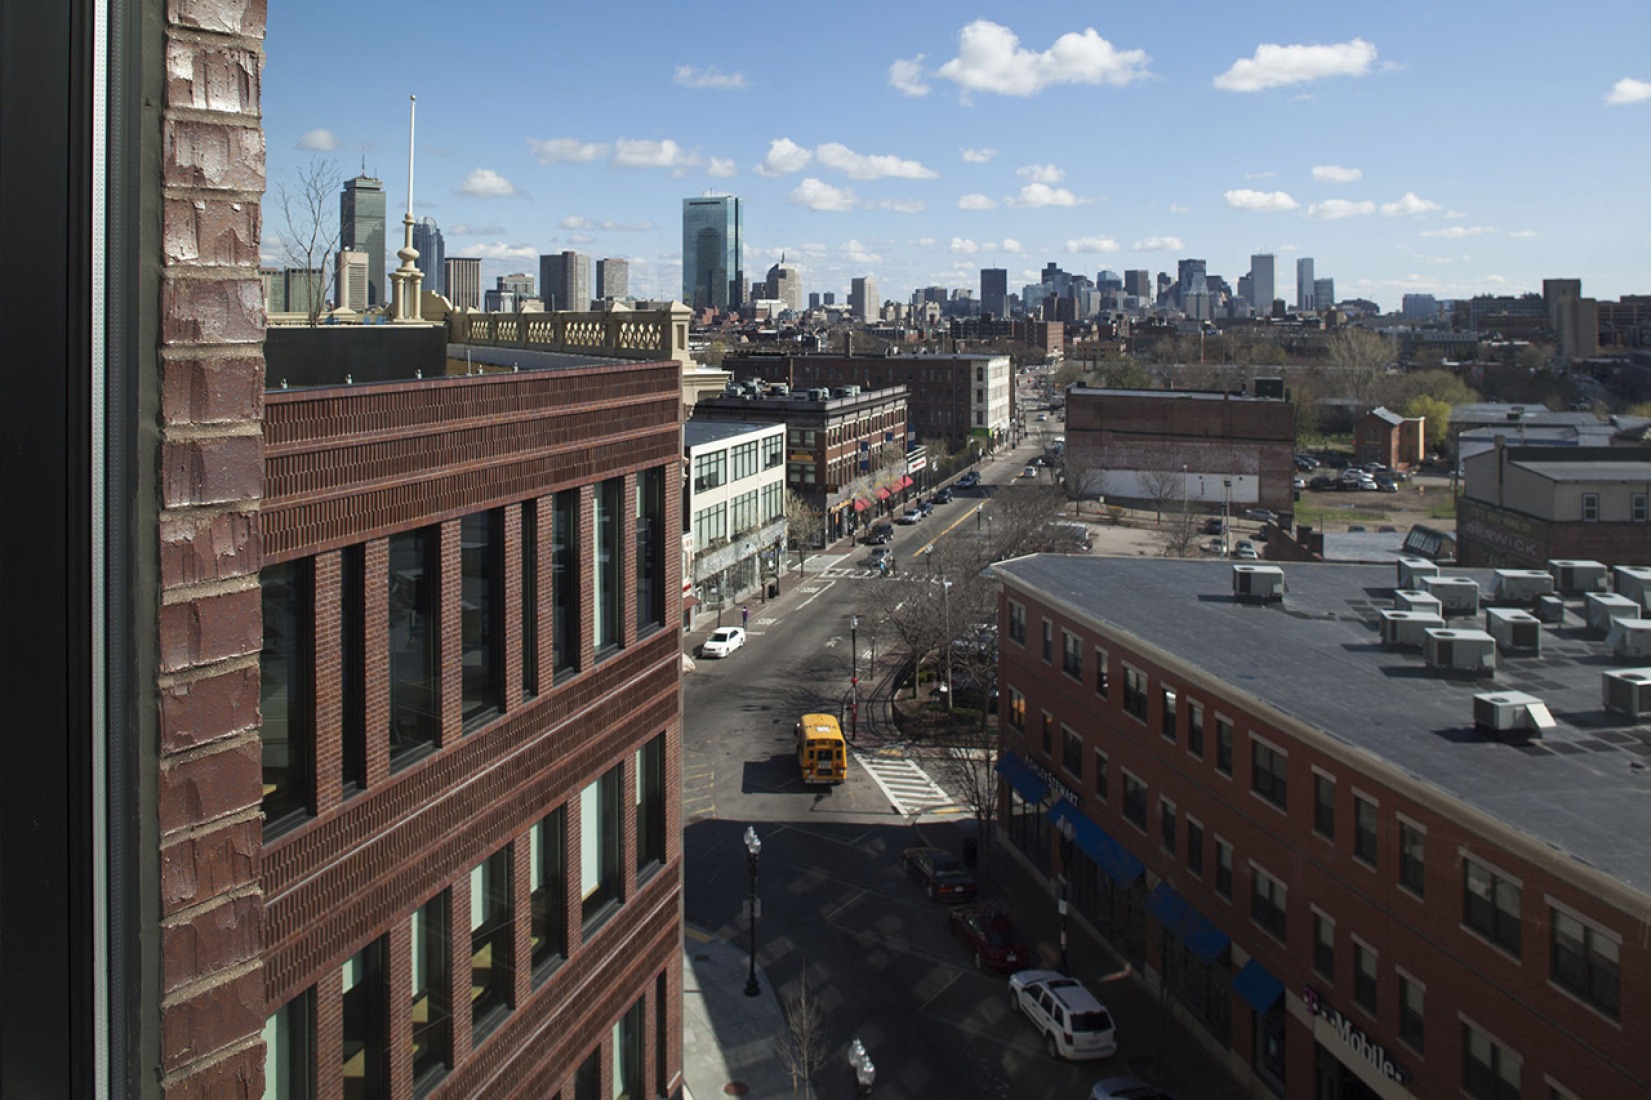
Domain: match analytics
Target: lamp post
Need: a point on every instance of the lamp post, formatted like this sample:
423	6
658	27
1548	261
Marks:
1226	511
980	510
753	849
946	607
854	677
865	1073
1067	832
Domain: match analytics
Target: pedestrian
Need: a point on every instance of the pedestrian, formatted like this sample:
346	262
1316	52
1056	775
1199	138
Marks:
745	616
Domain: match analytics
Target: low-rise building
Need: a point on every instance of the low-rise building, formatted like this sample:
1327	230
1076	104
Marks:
734	502
1526	506
1385	436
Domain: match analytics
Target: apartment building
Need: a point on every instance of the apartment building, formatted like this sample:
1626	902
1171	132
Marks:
735	507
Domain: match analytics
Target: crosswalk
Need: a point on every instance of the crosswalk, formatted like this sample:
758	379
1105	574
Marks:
909	789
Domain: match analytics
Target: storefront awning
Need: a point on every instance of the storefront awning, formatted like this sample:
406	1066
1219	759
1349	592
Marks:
1109	855
1187	924
1026	781
906	483
882	494
861	504
690	601
1256	984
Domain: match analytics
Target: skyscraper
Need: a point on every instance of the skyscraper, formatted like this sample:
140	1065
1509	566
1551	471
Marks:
1304	284
432	254
564	281
361	229
994	291
1263	282
1324	293
1189	280
785	283
350	270
463	276
713	251
862	298
613	278
1139	283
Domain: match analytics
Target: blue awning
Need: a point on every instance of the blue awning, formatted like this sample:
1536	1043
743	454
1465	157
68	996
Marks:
1028	782
1187	924
1109	855
1256	984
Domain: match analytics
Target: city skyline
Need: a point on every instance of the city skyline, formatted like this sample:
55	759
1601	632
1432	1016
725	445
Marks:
1108	142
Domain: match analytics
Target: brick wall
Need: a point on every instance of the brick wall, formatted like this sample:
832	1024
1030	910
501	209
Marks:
210	480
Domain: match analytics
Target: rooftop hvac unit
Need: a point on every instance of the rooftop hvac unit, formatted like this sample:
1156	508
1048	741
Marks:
1456	595
1258	582
1412	570
1515	631
1407	629
1633	581
1550	609
1510	711
851	391
1630	638
780	389
1627	691
1573	577
1520	586
819	395
1409	599
1602	608
1460	652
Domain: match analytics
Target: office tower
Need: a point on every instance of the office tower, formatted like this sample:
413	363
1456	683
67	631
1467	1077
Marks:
275	289
1246	290
713	251
1164	283
1262	282
1138	283
613	278
1420	307
463	276
830	298
814	300
785	283
350	273
994	291
1324	293
1189	280
518	283
862	298
1573	318
1108	280
303	289
1304	285
361	229
564	281
432	254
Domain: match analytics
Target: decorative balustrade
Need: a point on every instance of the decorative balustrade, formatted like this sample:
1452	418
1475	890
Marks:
640	334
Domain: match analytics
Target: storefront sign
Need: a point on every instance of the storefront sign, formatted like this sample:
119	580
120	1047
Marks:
1066	793
1354	1037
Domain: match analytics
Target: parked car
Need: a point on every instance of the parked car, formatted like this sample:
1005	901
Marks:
966	692
944	496
908	517
1322	481
991	936
1387	485
1213	525
880	535
1246	552
723	641
1298	483
968	480
1261	515
1306	462
1127	1088
941	874
1074	1024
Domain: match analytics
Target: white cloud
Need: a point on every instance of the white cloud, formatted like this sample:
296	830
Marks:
465	229
607	225
978	156
1275	66
1041	194
709	77
484	183
1040	173
1259	175
1158	244
1628	90
990	58
1410	204
1092	244
721	167
645	153
906	75
1457	232
899	206
856	252
784	156
1010	245
977	202
499	250
571	150
318	141
966	247
819	195
860	166
925	242
1522	234
1245	199
1335	173
581	238
1331	209
1177	208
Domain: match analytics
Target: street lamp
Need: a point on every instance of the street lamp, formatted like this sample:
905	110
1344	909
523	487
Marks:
865	1073
1067	831
1226	511
753	849
946	606
854	677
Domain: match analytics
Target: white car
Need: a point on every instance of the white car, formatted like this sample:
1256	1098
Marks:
1074	1024
723	641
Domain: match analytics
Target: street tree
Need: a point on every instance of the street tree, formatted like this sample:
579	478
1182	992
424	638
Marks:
1163	487
1436	414
802	1044
310	229
1359	361
804	524
1082	478
1180	535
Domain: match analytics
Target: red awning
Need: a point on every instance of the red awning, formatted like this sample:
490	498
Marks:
861	505
882	494
690	601
905	483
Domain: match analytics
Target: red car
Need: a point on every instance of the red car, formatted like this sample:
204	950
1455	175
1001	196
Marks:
943	876
992	937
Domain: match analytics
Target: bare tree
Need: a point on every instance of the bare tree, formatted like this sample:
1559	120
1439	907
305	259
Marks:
801	1047
1181	533
1082	478
310	229
1359	361
1163	487
804	523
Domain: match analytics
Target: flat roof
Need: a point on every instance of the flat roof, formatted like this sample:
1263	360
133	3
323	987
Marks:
1581	790
1188	395
1562	469
697	433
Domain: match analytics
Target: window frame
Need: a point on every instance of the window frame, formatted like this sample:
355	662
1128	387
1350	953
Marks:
1167	700
1324	811
1269	903
1167	835
1324	954
1224	735
1135	800
1195	728
1102	778
1500	1085
1102	683
1583	987
1072	647
1367	829
1223	869
1366	983
1412	1026
1195	847
1137	689
1494	932
1017	623
1269	772
1412	871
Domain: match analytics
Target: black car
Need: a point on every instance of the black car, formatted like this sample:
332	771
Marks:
1322	481
942	875
968	480
880	535
943	497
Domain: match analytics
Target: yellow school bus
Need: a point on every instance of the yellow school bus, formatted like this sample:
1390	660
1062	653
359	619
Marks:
821	752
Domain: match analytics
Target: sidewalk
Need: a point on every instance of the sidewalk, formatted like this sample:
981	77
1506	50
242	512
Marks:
727	1037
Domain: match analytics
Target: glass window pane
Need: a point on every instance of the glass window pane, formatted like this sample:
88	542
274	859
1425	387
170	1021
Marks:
353	676
289	1050
599	855
530	598
490	943
285	672
548	875
365	1025
650	804
432	990
481	603
650	548
564	582
609	495
415	682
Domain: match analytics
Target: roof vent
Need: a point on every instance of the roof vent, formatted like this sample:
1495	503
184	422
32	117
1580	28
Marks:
1630	638
1515	631
1407	629
1412	570
1550	609
1574	577
1602	608
1409	599
1460	652
1456	595
1258	582
1633	581
1510	711
1627	691
1520	587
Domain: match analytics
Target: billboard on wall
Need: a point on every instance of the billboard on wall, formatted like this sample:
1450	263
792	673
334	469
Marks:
1495	537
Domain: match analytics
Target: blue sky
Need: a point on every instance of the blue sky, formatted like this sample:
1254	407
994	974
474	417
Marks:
1447	148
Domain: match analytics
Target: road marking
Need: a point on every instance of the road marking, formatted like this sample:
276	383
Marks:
823	589
908	787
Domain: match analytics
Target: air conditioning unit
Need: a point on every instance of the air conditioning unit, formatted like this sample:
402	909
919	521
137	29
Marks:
1515	631
1409	599
1550	609
1630	638
1456	595
1511	711
1627	691
1460	652
1412	570
1258	582
1633	581
850	391
1407	629
1574	577
1602	608
1520	586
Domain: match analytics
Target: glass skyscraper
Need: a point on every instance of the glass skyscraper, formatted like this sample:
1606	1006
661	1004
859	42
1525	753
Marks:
713	266
432	254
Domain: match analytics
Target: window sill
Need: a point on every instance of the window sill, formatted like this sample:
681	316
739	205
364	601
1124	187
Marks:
486	1025
1492	944
1269	803
593	923
1367	864
547	968
1572	996
1414	894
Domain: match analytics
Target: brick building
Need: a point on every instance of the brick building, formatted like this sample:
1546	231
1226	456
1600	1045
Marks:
1230	449
1382	435
1307	843
1525	506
